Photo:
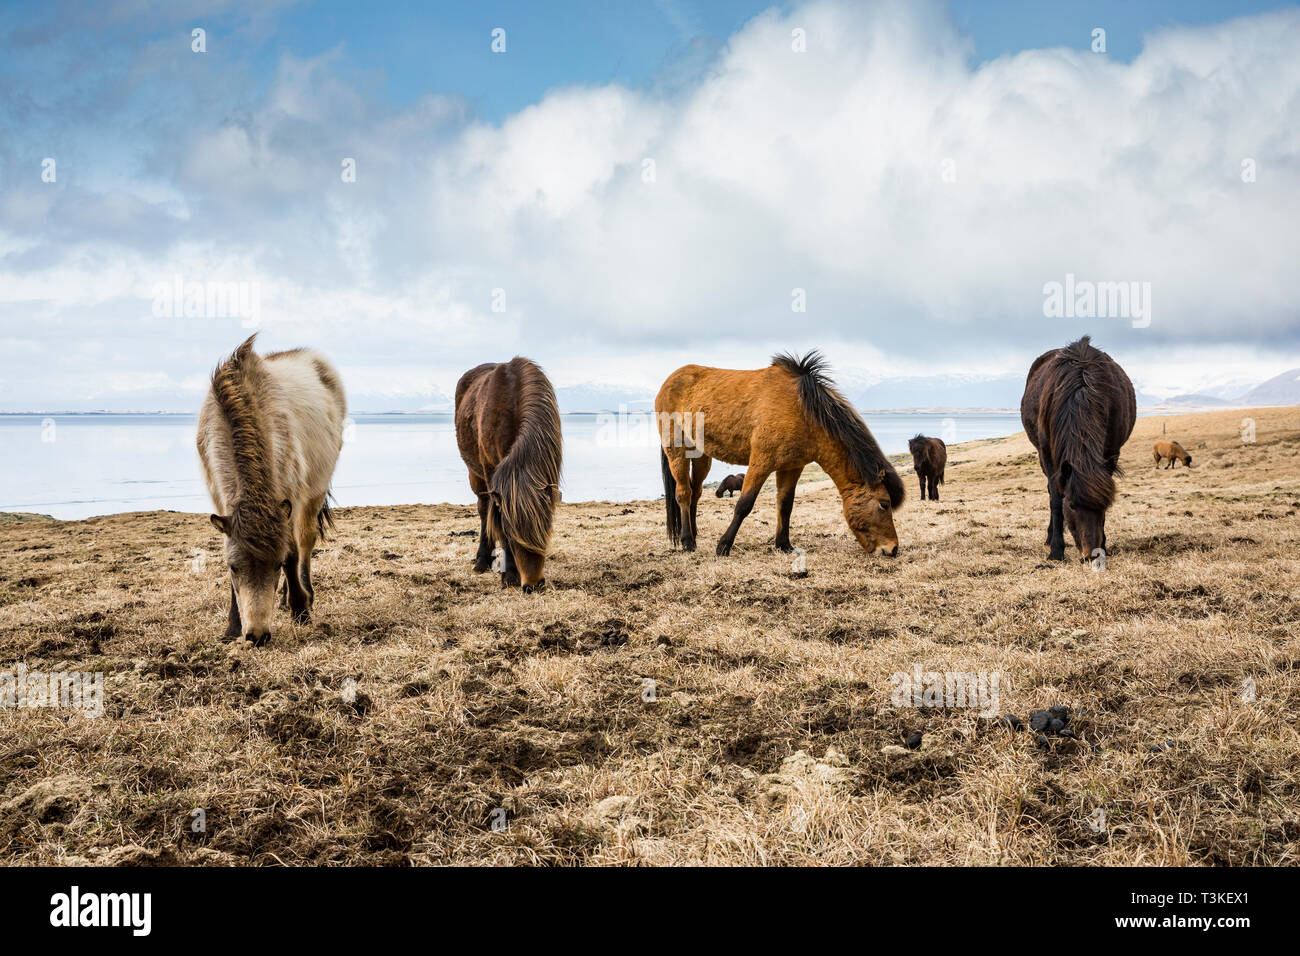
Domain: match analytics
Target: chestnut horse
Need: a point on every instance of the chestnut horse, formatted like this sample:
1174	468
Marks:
508	432
774	419
1173	451
929	456
1078	410
269	435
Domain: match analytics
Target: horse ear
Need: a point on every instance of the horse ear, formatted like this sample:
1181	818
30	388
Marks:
287	507
221	523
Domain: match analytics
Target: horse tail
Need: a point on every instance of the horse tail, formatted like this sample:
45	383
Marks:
324	518
673	509
526	485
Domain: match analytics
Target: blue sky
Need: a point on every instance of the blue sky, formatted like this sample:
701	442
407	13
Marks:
921	170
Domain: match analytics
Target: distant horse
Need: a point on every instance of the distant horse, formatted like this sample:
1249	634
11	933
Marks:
929	455
731	484
1173	451
508	432
778	418
1078	410
269	435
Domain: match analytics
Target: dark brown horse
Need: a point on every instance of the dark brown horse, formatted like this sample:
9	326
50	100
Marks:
731	484
1078	410
929	455
774	419
508	432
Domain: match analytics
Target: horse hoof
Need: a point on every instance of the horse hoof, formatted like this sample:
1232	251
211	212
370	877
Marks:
302	617
510	580
688	544
785	547
724	548
481	566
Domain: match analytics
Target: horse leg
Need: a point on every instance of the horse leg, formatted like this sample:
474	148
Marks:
297	567
699	471
483	559
510	576
754	479
681	469
299	603
786	480
232	623
921	475
1056	531
934	487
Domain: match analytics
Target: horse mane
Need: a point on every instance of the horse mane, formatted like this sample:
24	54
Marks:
257	520
826	407
526	484
1079	417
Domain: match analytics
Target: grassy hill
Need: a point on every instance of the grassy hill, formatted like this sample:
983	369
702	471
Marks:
656	707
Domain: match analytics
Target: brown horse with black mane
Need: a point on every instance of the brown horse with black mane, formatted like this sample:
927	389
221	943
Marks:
1173	451
929	457
508	432
774	419
1078	410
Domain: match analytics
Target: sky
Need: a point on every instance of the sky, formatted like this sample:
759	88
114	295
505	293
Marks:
618	189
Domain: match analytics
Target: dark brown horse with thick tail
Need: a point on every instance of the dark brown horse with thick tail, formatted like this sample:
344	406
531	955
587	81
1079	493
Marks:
508	432
774	419
1078	410
930	457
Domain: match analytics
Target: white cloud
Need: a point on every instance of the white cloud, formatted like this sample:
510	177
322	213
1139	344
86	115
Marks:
822	170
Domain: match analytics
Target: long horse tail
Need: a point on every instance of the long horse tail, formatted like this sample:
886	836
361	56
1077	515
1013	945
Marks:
673	509
526	485
828	409
1078	433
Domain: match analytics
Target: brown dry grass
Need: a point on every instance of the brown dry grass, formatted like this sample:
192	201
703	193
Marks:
471	699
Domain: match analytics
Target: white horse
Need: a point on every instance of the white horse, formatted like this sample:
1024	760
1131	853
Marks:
269	437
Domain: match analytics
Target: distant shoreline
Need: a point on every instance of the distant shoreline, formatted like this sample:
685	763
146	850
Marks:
935	410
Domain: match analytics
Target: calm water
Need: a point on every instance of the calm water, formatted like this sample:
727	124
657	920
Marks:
75	466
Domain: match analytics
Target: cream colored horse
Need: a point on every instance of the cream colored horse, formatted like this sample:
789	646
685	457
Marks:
269	436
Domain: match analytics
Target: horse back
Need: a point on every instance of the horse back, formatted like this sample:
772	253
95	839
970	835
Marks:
734	408
490	405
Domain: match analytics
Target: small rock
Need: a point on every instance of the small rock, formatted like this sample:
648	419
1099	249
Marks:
613	808
913	742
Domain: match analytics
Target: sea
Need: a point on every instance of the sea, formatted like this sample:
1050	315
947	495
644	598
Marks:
81	465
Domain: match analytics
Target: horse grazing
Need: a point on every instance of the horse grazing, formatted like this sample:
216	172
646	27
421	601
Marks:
1173	451
929	455
269	435
778	418
508	432
731	484
1078	410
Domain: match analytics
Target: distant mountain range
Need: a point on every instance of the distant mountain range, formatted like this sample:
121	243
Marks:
865	391
1281	389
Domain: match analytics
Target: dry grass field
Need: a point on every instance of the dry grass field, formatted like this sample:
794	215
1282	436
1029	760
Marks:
489	727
